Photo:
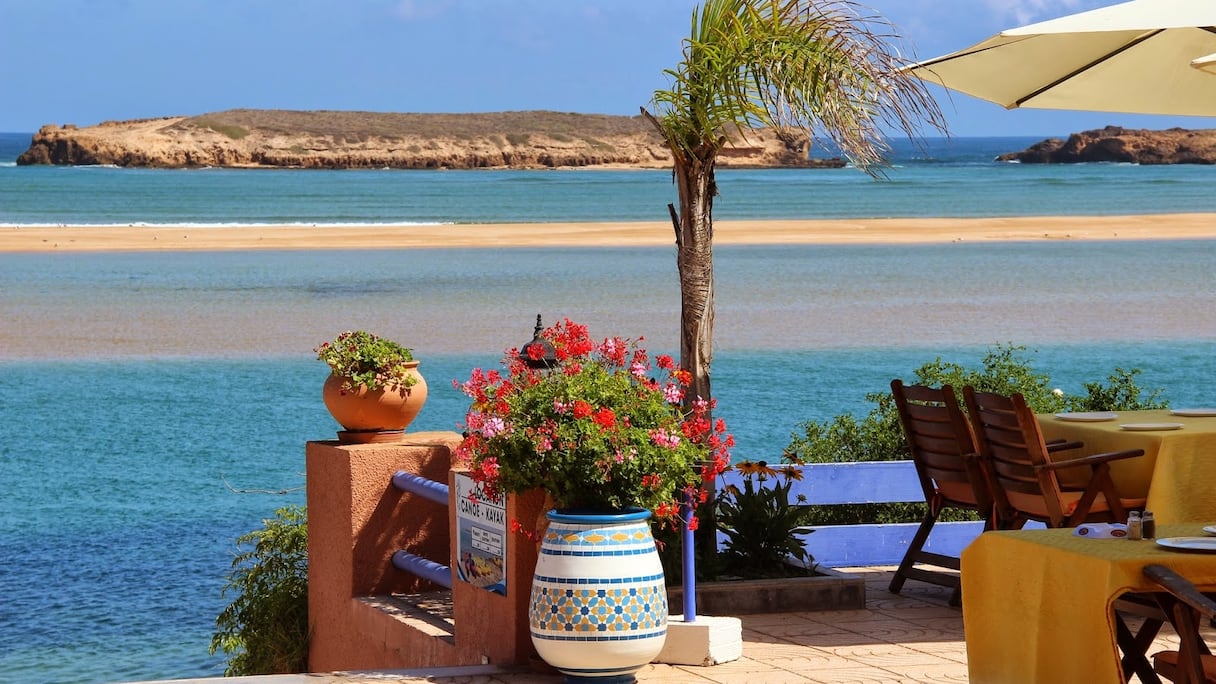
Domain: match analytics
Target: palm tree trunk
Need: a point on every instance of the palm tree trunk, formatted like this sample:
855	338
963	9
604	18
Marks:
694	177
695	261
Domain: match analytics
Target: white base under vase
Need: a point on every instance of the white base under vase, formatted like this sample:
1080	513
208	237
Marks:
598	610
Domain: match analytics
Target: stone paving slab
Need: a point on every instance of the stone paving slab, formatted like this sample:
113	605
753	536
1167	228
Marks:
897	639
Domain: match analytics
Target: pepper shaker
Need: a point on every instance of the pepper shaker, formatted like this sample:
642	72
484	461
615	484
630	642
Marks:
1148	525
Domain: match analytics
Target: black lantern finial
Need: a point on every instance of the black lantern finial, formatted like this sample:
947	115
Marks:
549	356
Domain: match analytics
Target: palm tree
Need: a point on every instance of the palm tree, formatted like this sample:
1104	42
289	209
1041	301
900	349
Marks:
817	66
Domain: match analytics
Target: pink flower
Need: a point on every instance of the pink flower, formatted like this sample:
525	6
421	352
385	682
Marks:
673	394
664	438
493	426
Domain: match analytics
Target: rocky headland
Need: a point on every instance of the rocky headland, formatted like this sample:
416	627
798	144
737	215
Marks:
360	140
1117	144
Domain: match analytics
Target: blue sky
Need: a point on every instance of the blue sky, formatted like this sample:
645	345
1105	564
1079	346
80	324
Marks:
88	61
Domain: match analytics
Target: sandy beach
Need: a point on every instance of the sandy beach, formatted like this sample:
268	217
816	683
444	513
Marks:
834	232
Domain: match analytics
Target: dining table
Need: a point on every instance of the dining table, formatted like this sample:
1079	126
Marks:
1176	474
1038	604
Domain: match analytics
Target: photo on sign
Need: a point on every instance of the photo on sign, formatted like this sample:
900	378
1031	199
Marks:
481	558
481	538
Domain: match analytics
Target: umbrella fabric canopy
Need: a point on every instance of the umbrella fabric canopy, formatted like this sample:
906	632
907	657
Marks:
1206	63
1134	57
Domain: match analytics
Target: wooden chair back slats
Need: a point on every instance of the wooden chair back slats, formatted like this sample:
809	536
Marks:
943	450
1022	473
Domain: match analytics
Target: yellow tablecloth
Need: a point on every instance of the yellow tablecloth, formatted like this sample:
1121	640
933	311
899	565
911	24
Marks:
1037	603
1177	472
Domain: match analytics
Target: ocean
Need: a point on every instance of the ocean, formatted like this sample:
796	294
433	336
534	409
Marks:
947	177
156	405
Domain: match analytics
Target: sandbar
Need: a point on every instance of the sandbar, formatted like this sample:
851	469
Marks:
69	238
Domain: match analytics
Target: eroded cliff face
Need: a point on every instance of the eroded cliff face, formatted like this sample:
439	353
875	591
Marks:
1117	144
288	139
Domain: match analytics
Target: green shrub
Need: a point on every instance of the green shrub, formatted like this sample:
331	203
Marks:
265	628
878	436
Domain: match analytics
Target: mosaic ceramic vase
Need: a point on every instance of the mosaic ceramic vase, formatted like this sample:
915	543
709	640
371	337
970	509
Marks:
598	610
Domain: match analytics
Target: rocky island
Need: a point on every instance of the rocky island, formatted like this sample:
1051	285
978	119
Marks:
362	140
1117	144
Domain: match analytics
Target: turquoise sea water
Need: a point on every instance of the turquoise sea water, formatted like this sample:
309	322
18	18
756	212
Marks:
156	406
955	177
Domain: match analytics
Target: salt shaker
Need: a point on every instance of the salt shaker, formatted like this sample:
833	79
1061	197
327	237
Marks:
1148	525
1134	526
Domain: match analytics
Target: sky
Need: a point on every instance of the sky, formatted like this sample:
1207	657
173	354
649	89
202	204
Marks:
87	61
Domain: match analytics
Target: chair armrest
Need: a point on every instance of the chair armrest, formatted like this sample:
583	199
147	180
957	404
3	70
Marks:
1061	445
1094	459
1183	590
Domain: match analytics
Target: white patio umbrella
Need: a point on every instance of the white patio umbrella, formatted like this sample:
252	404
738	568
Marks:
1134	57
1206	63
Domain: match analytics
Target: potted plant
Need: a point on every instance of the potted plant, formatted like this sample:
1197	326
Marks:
764	530
374	389
610	445
764	565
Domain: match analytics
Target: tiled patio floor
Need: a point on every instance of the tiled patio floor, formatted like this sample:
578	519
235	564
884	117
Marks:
913	637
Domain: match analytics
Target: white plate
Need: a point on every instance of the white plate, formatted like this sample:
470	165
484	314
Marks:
1093	416
1143	427
1207	544
1193	412
1210	529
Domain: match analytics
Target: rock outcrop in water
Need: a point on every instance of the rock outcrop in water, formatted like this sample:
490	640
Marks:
346	140
1117	144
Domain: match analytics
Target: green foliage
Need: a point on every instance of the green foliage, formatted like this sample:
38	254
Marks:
367	359
762	527
594	429
231	131
804	64
763	530
1122	394
1004	369
265	628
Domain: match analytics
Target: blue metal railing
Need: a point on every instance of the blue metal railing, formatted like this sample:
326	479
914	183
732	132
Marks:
431	490
415	484
822	483
426	569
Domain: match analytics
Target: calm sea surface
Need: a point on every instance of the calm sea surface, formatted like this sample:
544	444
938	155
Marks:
156	406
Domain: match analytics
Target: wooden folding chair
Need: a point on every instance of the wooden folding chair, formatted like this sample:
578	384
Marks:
1193	662
1023	475
943	449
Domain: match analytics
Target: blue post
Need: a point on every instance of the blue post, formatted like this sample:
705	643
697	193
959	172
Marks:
429	489
428	570
690	564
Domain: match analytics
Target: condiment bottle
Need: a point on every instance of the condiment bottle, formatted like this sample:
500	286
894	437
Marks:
1134	526
1148	525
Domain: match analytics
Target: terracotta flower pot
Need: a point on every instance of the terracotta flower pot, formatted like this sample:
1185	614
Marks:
374	416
